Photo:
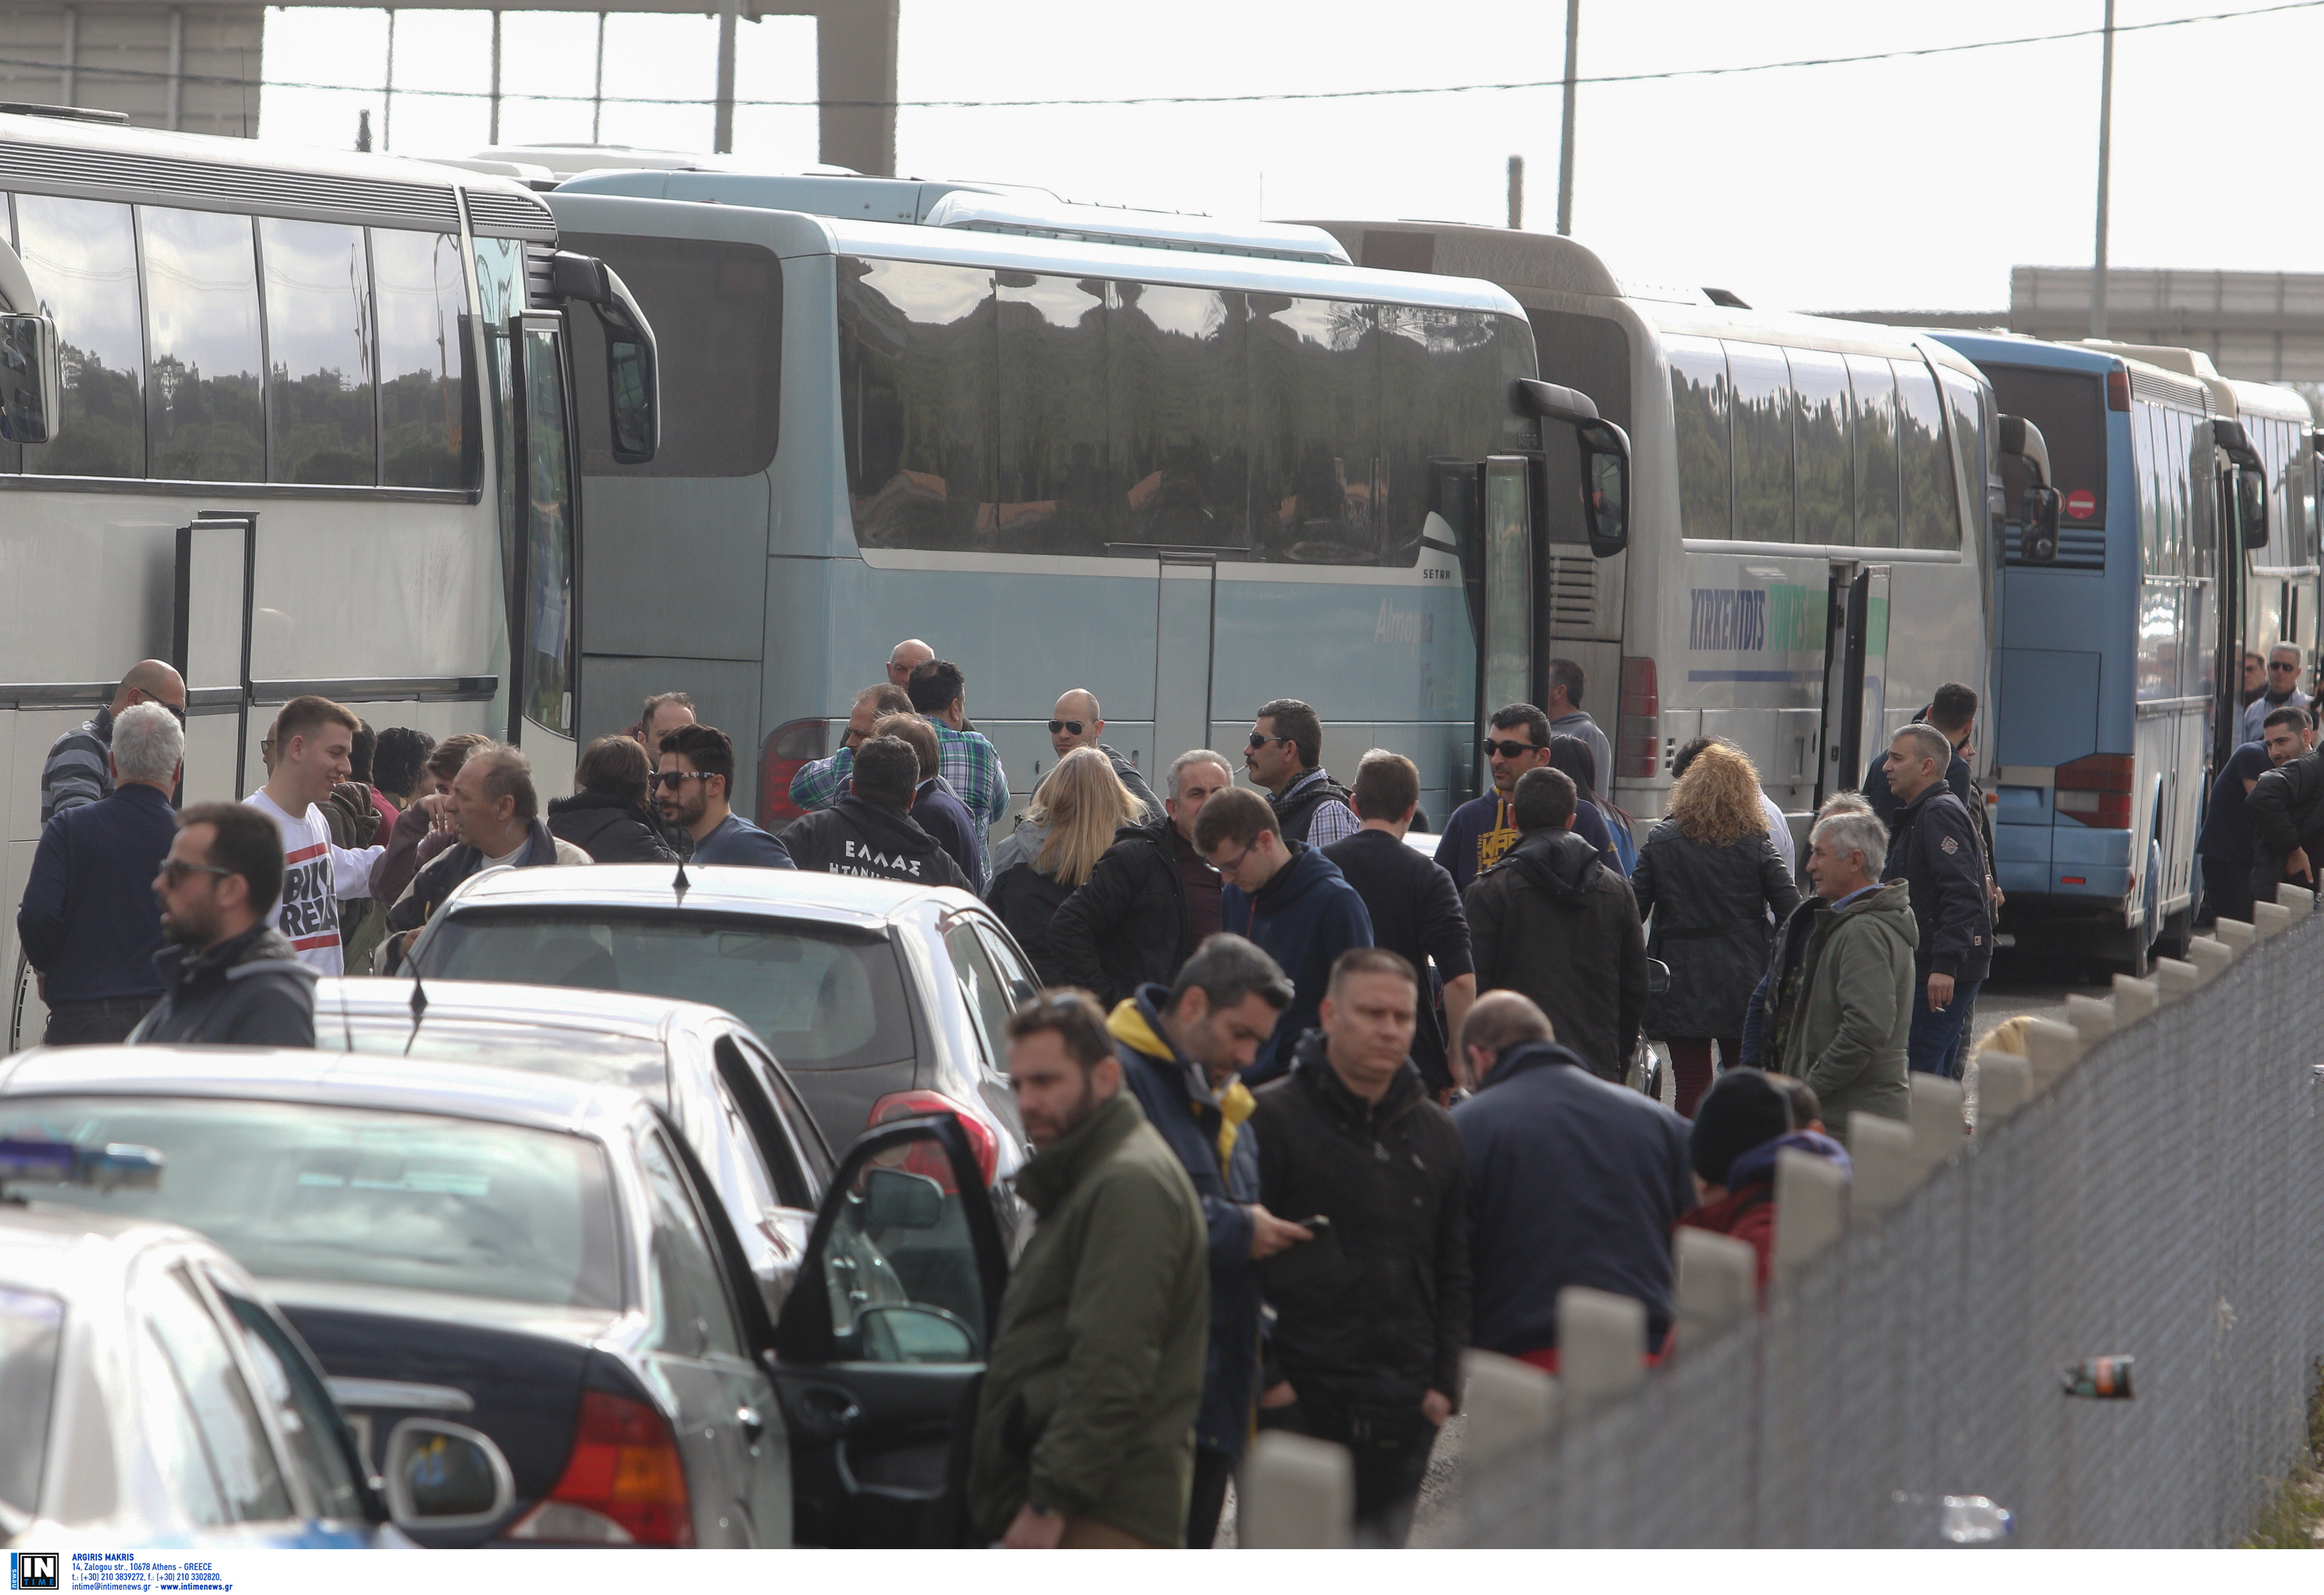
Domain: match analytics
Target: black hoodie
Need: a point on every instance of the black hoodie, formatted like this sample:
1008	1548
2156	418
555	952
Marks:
609	828
1551	921
855	837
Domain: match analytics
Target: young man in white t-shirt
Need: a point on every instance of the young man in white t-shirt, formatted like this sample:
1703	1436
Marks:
314	743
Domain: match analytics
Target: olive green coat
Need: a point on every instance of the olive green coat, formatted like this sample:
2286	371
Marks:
1090	1395
1842	1027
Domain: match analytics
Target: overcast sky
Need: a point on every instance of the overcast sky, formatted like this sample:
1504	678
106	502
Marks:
1895	184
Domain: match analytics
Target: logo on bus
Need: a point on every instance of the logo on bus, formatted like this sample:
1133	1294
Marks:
1728	619
2081	503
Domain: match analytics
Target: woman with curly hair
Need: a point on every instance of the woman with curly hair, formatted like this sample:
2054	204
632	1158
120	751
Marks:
1709	873
1076	810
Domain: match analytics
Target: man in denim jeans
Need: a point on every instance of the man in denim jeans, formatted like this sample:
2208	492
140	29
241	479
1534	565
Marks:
1934	850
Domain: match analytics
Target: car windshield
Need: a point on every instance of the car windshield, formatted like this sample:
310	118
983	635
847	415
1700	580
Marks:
820	996
351	1195
30	1325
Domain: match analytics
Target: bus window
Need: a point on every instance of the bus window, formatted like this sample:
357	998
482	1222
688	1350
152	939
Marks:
83	253
1314	430
1764	408
1966	402
1049	416
1826	465
549	571
1877	491
916	380
318	343
1176	427
1444	376
422	360
203	412
1930	517
1699	404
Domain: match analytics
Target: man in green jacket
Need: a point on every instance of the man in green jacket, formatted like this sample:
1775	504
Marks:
1840	994
1086	1427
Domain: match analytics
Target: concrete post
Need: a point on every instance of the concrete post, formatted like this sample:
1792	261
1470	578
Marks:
1295	1494
2092	1016
722	136
1810	1198
1887	1166
1601	1345
71	79
855	62
2298	899
1939	1124
2210	956
2050	1049
2270	920
2175	978
2005	1082
495	136
1718	1283
2238	934
177	68
1512	1409
2135	998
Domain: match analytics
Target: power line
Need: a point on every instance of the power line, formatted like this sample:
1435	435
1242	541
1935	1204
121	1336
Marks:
1673	74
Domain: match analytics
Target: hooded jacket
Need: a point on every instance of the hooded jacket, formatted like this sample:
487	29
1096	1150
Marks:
856	837
1206	1131
1127	924
1573	1180
1552	921
1305	917
609	828
1934	850
249	990
1096	1373
1708	905
1748	1211
1841	1008
1387	1321
432	885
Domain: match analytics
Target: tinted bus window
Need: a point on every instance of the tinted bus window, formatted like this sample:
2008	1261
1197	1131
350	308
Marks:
1444	381
83	253
2070	409
916	371
422	356
203	409
716	309
1050	419
1175	425
1965	402
1699	401
318	343
1591	353
1763	442
1314	430
1924	460
1877	491
1827	463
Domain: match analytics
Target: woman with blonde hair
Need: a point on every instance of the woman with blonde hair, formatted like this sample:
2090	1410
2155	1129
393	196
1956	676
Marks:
1709	873
1076	810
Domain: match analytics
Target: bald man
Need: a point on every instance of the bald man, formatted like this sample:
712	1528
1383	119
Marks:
909	656
78	771
1075	722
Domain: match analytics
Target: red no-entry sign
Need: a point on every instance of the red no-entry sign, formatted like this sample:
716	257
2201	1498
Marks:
2081	503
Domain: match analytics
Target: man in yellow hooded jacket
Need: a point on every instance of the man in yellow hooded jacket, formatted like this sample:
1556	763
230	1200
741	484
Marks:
1181	1048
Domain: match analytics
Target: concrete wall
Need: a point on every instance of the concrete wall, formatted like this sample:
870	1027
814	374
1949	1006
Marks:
120	58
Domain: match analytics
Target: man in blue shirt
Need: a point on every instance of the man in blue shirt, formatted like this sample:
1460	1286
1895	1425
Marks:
88	922
693	788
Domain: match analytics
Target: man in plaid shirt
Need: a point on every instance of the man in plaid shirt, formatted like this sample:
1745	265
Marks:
940	693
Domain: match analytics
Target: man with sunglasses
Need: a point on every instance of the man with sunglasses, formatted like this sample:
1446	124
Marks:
2282	691
230	978
694	788
76	771
1285	756
1484	828
1075	722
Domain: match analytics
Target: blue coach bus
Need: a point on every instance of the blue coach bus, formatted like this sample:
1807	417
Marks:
2117	659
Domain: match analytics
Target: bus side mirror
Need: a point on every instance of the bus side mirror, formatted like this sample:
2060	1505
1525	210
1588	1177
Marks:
31	379
2037	521
1605	487
2251	506
632	378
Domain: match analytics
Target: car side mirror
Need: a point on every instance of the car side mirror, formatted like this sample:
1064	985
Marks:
443	1475
31	379
897	1199
2037	522
912	1332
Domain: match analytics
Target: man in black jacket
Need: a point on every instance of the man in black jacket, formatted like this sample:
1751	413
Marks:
1551	921
2287	813
1152	898
871	832
229	978
497	811
1415	906
1372	1316
1934	850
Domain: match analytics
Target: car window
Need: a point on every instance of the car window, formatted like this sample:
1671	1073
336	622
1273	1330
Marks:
1022	986
805	1134
690	1311
981	988
32	1326
303	1412
636	1062
746	1160
360	1196
899	1260
746	1104
245	1485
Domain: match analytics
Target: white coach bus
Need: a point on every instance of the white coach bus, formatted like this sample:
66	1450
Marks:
1812	507
298	422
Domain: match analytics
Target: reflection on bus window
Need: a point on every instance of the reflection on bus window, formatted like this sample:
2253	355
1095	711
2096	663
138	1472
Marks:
1699	402
1049	419
1444	375
421	292
201	306
84	255
1877	491
1925	460
1315	427
1763	442
1827	464
915	357
318	345
1592	354
500	294
548	680
1175	369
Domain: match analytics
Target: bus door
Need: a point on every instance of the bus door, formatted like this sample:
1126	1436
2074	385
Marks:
1186	618
1847	664
543	595
1482	515
2237	502
209	646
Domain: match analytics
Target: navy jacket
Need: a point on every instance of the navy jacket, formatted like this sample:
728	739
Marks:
1933	849
1573	1180
1883	801
1168	1088
937	809
1305	917
89	921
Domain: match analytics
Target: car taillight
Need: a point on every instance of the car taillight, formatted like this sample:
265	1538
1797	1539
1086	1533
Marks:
926	1158
2096	790
1638	729
790	747
624	1483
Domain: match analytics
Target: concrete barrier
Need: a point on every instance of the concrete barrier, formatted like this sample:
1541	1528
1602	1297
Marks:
1295	1494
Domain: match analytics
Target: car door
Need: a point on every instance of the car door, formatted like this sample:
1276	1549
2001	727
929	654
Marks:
882	1343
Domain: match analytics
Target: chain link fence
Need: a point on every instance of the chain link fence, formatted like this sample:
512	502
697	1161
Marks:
2164	1201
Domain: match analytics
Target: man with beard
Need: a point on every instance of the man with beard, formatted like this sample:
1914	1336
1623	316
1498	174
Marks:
229	978
694	786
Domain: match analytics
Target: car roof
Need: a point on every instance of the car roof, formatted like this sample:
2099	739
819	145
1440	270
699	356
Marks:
332	1079
799	894
47	1247
628	1014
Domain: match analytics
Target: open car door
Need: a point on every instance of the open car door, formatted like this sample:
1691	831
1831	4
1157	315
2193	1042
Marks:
882	1341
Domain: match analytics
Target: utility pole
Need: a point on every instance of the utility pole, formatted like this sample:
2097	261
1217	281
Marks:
1565	144
2106	154
387	91
494	138
722	135
1517	192
597	94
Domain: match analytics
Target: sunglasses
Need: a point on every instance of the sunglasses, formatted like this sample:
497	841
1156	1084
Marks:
1073	726
1510	750
671	777
2273	665
1256	741
176	871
